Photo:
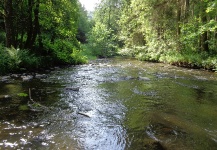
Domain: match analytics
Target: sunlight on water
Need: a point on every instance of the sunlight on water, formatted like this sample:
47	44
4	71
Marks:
113	104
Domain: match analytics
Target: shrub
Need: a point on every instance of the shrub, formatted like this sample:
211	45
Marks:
28	60
63	51
4	60
87	53
101	41
12	59
78	58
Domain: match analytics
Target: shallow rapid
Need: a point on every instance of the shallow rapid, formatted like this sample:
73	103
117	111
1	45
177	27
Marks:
111	104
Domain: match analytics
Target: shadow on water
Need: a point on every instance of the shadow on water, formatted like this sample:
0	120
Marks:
111	104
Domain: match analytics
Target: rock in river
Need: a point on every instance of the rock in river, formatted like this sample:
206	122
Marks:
27	78
72	88
144	78
5	98
5	78
40	76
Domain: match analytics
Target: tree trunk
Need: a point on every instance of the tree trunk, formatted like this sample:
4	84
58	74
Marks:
187	5
204	41
29	25
215	33
204	36
178	20
8	19
216	28
36	24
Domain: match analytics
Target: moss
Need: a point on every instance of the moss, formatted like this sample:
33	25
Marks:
23	107
22	94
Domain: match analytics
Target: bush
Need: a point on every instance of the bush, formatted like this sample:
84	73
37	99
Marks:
87	52
12	59
2	36
78	58
4	60
101	41
63	51
190	59
29	60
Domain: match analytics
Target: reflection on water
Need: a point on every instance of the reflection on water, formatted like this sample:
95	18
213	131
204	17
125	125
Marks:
113	104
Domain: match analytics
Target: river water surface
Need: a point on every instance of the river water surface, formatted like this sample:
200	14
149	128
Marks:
113	104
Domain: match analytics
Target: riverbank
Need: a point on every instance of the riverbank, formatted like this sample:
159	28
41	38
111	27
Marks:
191	60
187	59
23	61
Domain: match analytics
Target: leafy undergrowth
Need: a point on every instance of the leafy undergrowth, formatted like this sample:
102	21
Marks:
190	60
185	58
15	59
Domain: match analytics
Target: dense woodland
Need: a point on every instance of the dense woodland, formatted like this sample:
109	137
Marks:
41	33
180	32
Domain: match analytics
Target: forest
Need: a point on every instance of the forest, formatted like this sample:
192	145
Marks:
43	33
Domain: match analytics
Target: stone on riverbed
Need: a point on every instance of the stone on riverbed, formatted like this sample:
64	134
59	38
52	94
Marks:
15	75
144	78
72	88
154	145
5	98
40	76
27	78
5	78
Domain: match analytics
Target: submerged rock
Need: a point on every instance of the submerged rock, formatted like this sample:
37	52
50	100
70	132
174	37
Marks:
15	75
5	98
5	78
27	78
72	88
144	78
154	145
40	76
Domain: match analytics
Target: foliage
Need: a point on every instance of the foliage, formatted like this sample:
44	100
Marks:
59	22
22	94
24	107
84	24
59	18
190	59
12	59
4	60
62	50
2	36
22	58
185	32
40	33
87	53
101	41
29	60
49	32
78	57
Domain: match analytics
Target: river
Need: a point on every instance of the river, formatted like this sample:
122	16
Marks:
111	104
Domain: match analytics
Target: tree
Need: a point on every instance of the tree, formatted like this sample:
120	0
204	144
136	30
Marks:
8	19
102	39
100	42
84	24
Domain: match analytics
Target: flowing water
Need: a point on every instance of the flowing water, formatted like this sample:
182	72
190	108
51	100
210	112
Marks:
113	104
